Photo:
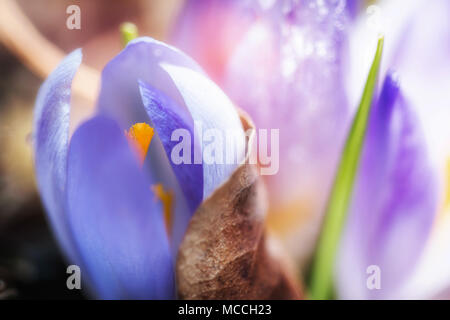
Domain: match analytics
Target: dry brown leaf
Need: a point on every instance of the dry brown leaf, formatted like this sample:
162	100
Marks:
226	253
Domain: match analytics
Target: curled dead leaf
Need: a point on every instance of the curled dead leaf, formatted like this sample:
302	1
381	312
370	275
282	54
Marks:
226	253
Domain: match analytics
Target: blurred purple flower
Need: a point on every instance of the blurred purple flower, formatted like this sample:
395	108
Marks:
394	200
98	196
209	31
287	72
353	7
398	189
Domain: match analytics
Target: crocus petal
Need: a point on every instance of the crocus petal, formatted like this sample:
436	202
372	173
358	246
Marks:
353	7
210	30
417	47
394	201
140	60
295	85
431	278
175	75
51	136
216	115
167	117
161	172
186	179
117	225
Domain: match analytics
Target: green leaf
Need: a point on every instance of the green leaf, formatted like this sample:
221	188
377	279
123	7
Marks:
321	277
128	32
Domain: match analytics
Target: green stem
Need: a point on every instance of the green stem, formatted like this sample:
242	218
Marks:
321	280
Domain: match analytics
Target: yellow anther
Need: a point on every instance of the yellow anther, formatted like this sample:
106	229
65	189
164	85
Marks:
166	198
139	136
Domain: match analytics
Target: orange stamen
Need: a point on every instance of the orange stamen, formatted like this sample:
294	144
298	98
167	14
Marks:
166	198
139	136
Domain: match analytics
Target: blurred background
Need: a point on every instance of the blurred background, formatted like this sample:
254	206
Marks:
33	39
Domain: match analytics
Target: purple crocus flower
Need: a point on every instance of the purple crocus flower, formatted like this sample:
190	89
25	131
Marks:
394	201
105	194
287	72
398	190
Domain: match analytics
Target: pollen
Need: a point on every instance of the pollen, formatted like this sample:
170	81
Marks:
139	136
166	198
